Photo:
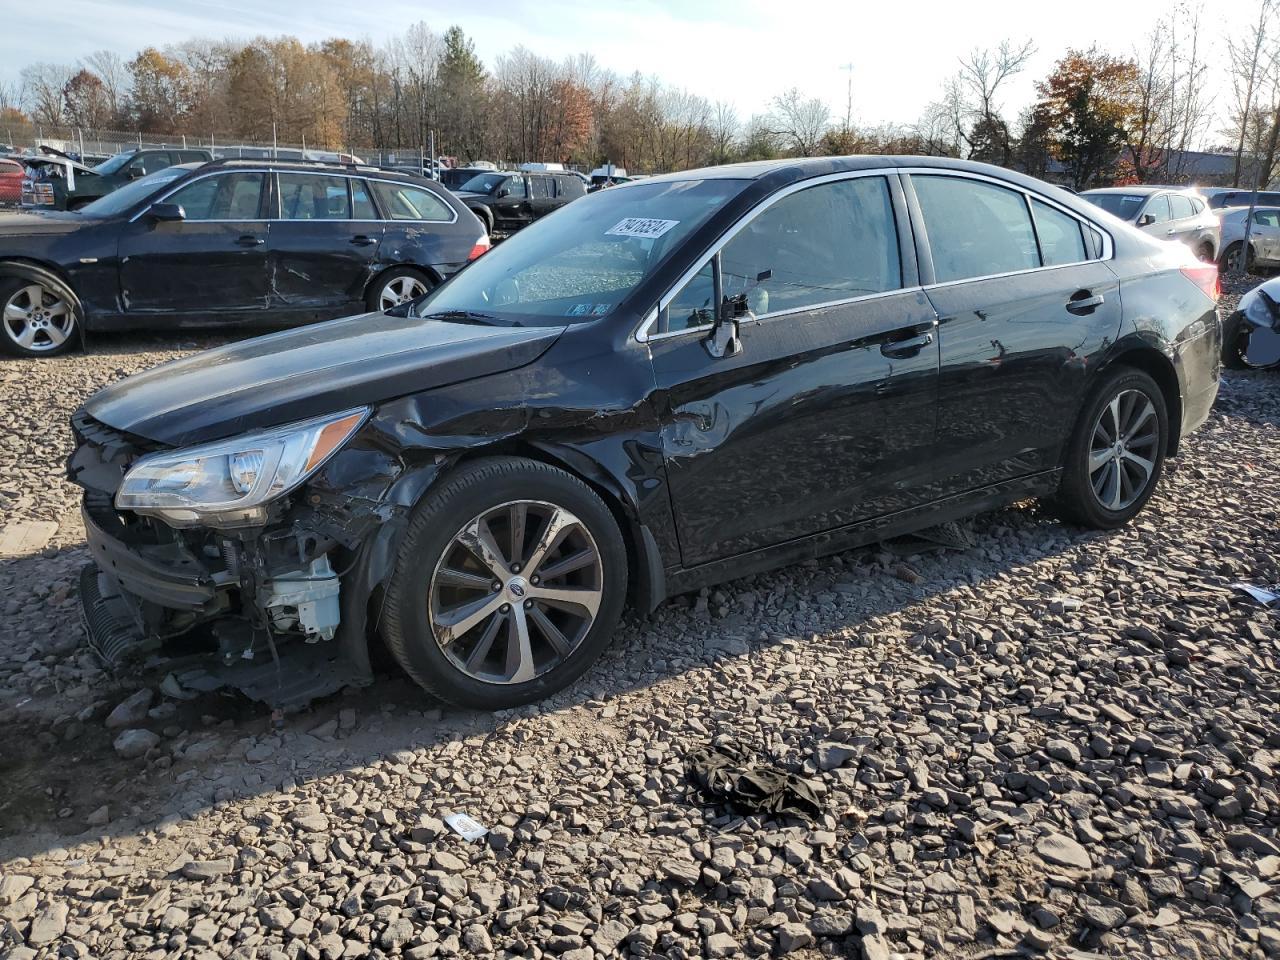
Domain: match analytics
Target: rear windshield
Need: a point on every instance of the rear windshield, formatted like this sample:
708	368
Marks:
1123	205
121	200
1241	198
580	262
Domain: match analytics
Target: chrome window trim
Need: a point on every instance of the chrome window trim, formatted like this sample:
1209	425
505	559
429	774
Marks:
644	332
322	173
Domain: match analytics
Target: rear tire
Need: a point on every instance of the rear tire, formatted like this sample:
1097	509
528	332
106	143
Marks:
1205	253
475	627
398	285
1115	456
1228	261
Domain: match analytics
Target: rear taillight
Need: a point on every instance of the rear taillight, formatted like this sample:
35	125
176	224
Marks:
1205	276
481	248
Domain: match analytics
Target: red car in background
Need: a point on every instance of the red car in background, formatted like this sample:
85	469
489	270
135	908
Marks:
11	173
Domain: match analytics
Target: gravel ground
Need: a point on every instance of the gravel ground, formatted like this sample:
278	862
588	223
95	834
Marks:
1054	743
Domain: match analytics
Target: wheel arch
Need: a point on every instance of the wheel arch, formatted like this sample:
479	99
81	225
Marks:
383	269
44	272
1157	365
647	583
363	596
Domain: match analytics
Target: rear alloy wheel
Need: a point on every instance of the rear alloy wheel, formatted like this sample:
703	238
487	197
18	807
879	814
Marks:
1116	455
396	287
38	320
517	601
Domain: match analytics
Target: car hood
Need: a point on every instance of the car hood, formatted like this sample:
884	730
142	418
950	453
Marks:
310	371
76	165
471	195
43	224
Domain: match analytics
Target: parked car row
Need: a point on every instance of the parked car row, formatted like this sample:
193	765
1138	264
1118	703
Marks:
55	181
665	385
229	241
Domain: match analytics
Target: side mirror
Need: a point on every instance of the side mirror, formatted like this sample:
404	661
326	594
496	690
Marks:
724	339
1146	219
166	211
136	173
503	192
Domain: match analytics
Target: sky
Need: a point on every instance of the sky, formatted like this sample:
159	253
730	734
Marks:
741	51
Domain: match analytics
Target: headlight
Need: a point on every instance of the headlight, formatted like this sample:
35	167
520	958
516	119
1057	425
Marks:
230	482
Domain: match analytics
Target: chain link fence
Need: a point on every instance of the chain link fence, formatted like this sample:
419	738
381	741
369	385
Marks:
92	146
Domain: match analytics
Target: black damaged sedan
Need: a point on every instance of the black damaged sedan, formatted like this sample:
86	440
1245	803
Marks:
662	386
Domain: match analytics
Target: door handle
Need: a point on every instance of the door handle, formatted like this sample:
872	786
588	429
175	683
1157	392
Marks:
1085	304
904	349
361	240
248	240
1170	232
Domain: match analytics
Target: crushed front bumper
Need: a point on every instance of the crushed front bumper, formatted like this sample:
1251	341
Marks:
167	575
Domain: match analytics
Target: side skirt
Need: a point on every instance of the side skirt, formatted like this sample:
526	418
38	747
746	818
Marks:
683	580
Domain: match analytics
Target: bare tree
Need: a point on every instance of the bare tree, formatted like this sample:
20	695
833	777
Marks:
111	70
799	121
42	90
973	98
1248	63
724	131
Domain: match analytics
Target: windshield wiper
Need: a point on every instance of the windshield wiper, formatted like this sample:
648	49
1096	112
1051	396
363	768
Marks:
465	316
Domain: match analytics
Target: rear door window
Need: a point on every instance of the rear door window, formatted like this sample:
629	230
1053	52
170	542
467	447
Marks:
1180	207
823	244
976	229
404	201
1061	240
310	196
540	188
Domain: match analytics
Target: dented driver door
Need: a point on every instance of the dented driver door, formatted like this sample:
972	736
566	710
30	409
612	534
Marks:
826	415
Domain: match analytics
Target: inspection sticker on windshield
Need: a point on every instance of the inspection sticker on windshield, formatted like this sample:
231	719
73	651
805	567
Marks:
641	227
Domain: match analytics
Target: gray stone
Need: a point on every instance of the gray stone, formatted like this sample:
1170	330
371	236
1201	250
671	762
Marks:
135	743
130	711
1062	851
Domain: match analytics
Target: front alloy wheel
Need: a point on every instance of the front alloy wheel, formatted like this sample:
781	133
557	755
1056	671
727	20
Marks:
516	591
518	601
37	320
1122	456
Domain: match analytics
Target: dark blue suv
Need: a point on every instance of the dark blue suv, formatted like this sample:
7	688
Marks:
229	242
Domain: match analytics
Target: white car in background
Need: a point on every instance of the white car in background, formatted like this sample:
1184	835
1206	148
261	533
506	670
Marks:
1169	213
1264	236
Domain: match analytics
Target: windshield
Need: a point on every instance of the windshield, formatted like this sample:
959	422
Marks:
1123	205
484	183
114	163
120	200
579	263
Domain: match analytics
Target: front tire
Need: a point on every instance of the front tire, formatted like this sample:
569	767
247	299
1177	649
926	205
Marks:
37	317
1115	456
508	585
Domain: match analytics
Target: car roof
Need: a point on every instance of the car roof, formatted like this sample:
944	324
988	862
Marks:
303	166
1142	189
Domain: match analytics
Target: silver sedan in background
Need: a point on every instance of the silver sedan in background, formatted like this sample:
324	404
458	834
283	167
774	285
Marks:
1264	237
1169	213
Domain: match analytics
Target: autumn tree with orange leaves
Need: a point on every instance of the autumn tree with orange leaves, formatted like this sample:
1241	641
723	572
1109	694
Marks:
1086	106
